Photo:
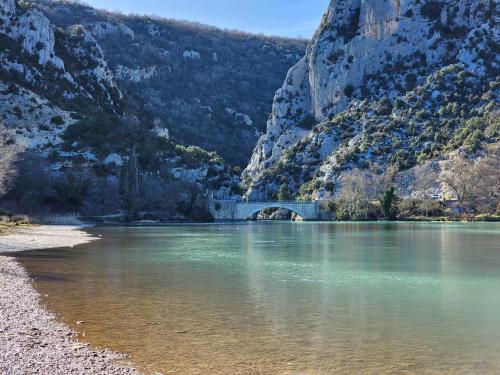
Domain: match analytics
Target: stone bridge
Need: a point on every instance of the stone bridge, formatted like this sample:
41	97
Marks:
233	210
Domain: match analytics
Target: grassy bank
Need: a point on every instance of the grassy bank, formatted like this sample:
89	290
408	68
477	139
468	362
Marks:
8	225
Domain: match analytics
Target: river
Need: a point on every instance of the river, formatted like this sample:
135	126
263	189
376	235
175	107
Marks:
285	298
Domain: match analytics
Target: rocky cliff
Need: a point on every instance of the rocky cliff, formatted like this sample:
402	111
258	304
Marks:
391	83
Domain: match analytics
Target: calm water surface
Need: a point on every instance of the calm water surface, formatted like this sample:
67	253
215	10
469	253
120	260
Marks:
285	298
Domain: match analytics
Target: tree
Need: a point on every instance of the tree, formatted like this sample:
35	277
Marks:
476	184
488	190
160	196
384	106
33	190
284	193
130	184
9	154
462	179
353	200
72	188
425	184
358	188
102	197
388	203
193	203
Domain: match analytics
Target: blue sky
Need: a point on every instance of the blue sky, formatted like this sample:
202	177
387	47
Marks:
277	17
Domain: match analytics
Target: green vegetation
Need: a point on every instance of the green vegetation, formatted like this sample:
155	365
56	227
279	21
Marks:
431	9
284	193
10	222
388	203
452	111
57	120
384	107
349	90
307	123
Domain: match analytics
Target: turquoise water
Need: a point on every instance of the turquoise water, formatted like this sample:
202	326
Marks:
285	298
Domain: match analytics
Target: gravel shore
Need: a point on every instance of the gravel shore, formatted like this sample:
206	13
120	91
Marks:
32	341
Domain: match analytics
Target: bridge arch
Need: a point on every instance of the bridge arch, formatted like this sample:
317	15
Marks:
277	206
230	210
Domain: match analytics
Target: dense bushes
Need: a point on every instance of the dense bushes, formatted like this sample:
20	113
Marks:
284	193
349	90
432	10
9	153
307	123
384	107
57	120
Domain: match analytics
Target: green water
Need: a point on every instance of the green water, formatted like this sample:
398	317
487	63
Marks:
285	298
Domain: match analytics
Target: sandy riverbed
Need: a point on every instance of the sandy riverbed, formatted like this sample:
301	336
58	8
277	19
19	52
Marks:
32	341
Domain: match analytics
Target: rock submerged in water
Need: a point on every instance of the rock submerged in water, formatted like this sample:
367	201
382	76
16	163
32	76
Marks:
282	214
276	214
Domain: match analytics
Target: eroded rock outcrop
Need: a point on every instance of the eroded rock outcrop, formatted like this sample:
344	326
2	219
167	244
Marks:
33	29
364	52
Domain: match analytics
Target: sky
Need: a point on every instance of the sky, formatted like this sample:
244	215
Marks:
289	18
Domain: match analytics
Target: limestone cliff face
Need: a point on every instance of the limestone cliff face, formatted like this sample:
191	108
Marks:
46	72
34	29
364	50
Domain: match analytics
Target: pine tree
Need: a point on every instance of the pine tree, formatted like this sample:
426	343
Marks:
284	193
388	203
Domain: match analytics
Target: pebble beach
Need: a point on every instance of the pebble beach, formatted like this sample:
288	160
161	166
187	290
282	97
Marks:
32	340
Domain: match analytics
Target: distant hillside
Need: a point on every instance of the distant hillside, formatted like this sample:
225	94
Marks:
210	88
100	94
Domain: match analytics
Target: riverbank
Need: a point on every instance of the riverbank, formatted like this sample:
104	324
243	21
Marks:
10	226
32	340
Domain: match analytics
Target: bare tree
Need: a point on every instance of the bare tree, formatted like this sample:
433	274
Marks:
161	196
358	189
426	183
461	179
491	167
9	154
488	188
476	184
352	195
130	179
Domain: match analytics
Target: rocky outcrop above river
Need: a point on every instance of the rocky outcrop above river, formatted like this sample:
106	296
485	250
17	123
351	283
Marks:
391	83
